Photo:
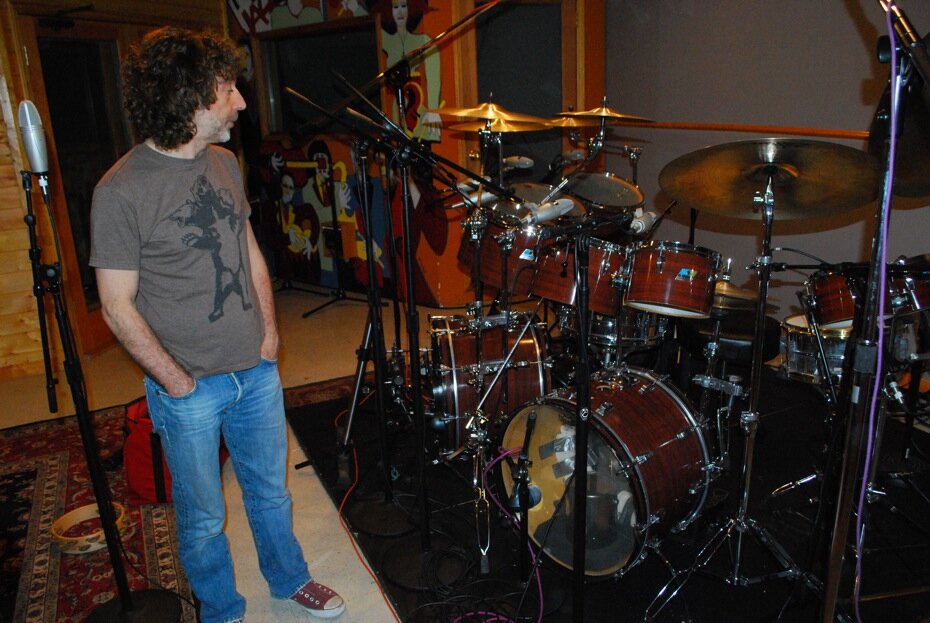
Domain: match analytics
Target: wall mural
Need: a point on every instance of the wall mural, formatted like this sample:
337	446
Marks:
316	234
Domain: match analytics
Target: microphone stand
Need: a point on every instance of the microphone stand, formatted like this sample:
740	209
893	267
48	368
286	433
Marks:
136	606
523	496
582	414
858	400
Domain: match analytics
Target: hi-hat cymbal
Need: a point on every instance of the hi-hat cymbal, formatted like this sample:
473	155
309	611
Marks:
491	111
727	290
602	112
498	125
809	178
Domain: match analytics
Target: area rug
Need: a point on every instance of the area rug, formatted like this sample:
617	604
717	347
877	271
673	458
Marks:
43	475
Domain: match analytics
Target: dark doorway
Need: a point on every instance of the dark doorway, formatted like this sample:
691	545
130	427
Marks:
82	85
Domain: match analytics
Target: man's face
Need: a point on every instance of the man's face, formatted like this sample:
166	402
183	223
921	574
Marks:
215	122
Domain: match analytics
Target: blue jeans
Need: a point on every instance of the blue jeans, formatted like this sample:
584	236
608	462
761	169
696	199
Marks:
247	407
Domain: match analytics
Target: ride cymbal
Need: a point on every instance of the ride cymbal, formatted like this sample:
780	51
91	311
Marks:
809	178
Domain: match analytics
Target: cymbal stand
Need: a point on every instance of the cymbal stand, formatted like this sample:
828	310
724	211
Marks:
737	526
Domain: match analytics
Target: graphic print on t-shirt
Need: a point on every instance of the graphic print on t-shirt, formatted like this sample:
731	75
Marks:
211	212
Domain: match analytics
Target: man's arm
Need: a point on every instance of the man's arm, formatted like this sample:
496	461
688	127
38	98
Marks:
117	289
262	282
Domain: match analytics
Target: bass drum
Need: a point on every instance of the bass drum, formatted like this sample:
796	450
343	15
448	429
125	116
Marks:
464	361
647	468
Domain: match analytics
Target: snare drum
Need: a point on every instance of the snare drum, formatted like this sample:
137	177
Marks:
799	352
647	468
673	279
555	277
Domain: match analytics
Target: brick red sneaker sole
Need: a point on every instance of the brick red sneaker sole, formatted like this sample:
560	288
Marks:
319	600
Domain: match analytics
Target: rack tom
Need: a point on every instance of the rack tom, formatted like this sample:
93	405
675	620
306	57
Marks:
672	279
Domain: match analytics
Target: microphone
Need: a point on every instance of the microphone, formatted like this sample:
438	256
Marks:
548	211
643	222
534	493
913	44
473	198
30	125
517	162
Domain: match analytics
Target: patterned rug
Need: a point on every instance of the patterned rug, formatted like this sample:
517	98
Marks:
43	474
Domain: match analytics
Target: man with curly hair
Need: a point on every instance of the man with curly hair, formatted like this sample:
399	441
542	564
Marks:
185	290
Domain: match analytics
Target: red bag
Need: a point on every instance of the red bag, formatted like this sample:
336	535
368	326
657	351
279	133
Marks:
148	480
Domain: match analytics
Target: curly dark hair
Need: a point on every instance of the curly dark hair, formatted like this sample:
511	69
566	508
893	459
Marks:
171	73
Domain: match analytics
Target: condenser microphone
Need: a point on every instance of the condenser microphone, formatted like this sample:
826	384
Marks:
30	125
643	223
547	211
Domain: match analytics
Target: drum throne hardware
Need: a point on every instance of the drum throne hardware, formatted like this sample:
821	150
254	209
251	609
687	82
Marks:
810	177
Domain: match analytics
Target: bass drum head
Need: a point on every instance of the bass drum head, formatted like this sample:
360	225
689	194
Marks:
648	468
612	512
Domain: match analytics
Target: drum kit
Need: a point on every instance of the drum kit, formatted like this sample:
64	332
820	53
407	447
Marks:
488	380
653	455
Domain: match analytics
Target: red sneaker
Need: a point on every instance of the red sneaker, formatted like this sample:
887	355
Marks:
321	601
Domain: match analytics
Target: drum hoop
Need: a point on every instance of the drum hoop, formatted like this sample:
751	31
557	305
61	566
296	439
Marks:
674	245
842	333
605	175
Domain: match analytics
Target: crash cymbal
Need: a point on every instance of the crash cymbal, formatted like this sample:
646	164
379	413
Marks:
727	290
573	122
498	126
602	112
809	178
491	111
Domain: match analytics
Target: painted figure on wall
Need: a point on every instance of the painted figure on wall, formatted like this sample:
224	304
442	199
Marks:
296	13
421	92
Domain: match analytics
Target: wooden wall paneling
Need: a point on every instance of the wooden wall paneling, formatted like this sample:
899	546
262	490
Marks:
192	13
21	78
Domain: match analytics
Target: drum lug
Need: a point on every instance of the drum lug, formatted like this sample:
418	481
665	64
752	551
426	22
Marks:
642	458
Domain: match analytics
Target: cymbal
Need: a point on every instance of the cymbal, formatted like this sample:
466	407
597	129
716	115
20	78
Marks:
602	112
572	122
809	178
498	126
491	111
726	290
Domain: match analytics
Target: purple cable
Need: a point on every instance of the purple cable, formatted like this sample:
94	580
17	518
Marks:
487	469
886	211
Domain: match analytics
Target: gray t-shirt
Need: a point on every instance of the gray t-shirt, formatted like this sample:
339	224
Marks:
181	224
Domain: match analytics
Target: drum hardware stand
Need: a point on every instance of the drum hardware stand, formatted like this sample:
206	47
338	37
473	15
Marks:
737	526
733	390
139	606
